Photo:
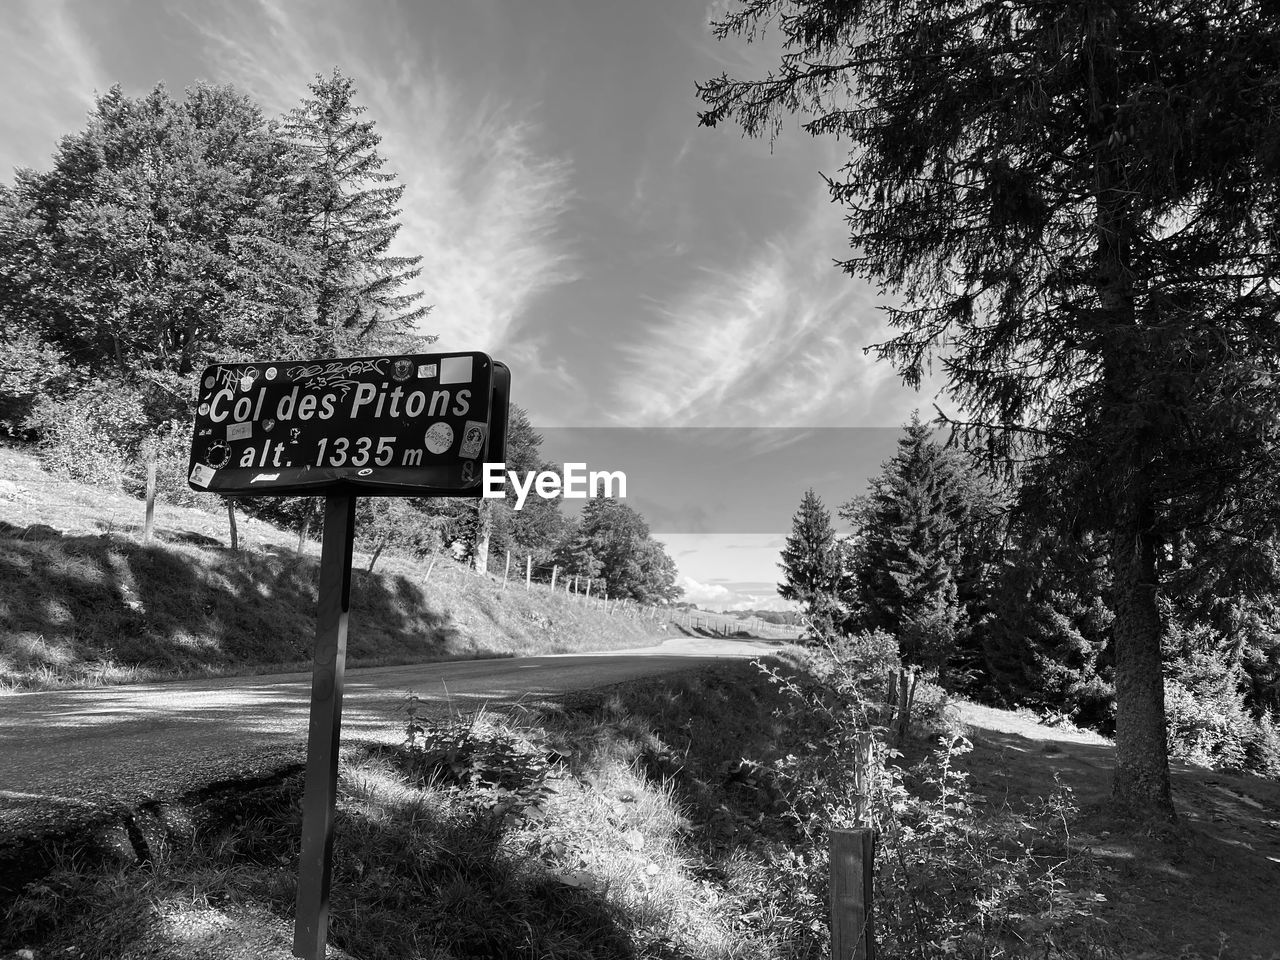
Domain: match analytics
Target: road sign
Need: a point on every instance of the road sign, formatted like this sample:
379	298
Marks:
411	426
408	425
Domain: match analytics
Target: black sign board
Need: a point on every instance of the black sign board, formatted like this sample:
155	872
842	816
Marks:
410	425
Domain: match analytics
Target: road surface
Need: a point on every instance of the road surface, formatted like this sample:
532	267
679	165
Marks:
70	753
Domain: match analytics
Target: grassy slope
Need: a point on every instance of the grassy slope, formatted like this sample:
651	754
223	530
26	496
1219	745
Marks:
92	604
654	841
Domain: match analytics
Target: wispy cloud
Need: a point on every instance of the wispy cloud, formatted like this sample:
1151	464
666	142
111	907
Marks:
51	72
777	341
484	201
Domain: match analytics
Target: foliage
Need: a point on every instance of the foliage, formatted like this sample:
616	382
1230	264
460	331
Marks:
30	369
612	541
396	523
910	533
1044	645
812	563
536	528
1073	203
93	434
503	774
950	881
160	238
349	206
1209	723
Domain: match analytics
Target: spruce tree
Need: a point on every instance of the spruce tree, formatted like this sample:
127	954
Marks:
811	563
909	531
349	203
1046	643
1073	206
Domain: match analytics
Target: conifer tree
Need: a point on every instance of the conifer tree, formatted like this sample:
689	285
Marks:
908	560
349	203
1073	204
1046	643
811	563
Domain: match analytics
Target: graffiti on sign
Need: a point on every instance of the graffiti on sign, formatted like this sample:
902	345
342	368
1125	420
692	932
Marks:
409	425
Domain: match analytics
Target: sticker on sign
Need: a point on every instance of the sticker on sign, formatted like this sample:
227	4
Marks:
366	425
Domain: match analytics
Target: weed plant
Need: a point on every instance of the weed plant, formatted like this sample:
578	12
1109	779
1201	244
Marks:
951	880
673	818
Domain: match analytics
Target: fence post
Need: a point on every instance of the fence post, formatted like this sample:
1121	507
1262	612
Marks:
231	522
587	596
852	860
528	571
554	571
151	493
507	571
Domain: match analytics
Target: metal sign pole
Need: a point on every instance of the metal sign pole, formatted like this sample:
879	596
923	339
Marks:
311	920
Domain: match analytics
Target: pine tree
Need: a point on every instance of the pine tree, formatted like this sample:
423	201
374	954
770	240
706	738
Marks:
909	534
349	203
811	563
1046	643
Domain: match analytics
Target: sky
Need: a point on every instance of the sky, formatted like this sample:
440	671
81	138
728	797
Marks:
637	272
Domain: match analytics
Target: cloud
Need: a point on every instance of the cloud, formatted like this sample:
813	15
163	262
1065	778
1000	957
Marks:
484	200
704	594
716	596
776	341
51	71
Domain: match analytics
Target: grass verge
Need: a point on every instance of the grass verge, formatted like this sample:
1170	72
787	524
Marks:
672	818
87	603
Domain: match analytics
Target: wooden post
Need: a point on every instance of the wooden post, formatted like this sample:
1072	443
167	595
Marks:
852	863
554	570
528	571
506	571
311	921
588	593
431	566
231	521
149	523
862	779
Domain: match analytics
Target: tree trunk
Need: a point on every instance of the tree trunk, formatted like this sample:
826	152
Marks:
304	528
1130	443
484	529
1142	759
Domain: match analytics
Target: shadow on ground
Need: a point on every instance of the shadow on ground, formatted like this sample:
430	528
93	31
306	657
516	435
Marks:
77	605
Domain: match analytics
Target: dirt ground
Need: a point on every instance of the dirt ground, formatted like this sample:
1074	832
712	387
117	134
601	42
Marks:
1209	887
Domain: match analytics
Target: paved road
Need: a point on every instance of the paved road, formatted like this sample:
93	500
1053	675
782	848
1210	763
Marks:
63	751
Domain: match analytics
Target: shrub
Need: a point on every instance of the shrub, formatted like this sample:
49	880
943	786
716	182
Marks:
93	434
1208	721
29	370
499	772
950	883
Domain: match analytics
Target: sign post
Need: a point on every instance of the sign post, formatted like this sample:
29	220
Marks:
419	425
321	790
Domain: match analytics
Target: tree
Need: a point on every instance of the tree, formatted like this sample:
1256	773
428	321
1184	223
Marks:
910	534
612	541
159	239
1075	204
1046	644
350	206
811	563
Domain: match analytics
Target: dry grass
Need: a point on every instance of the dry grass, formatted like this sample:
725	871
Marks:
657	837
